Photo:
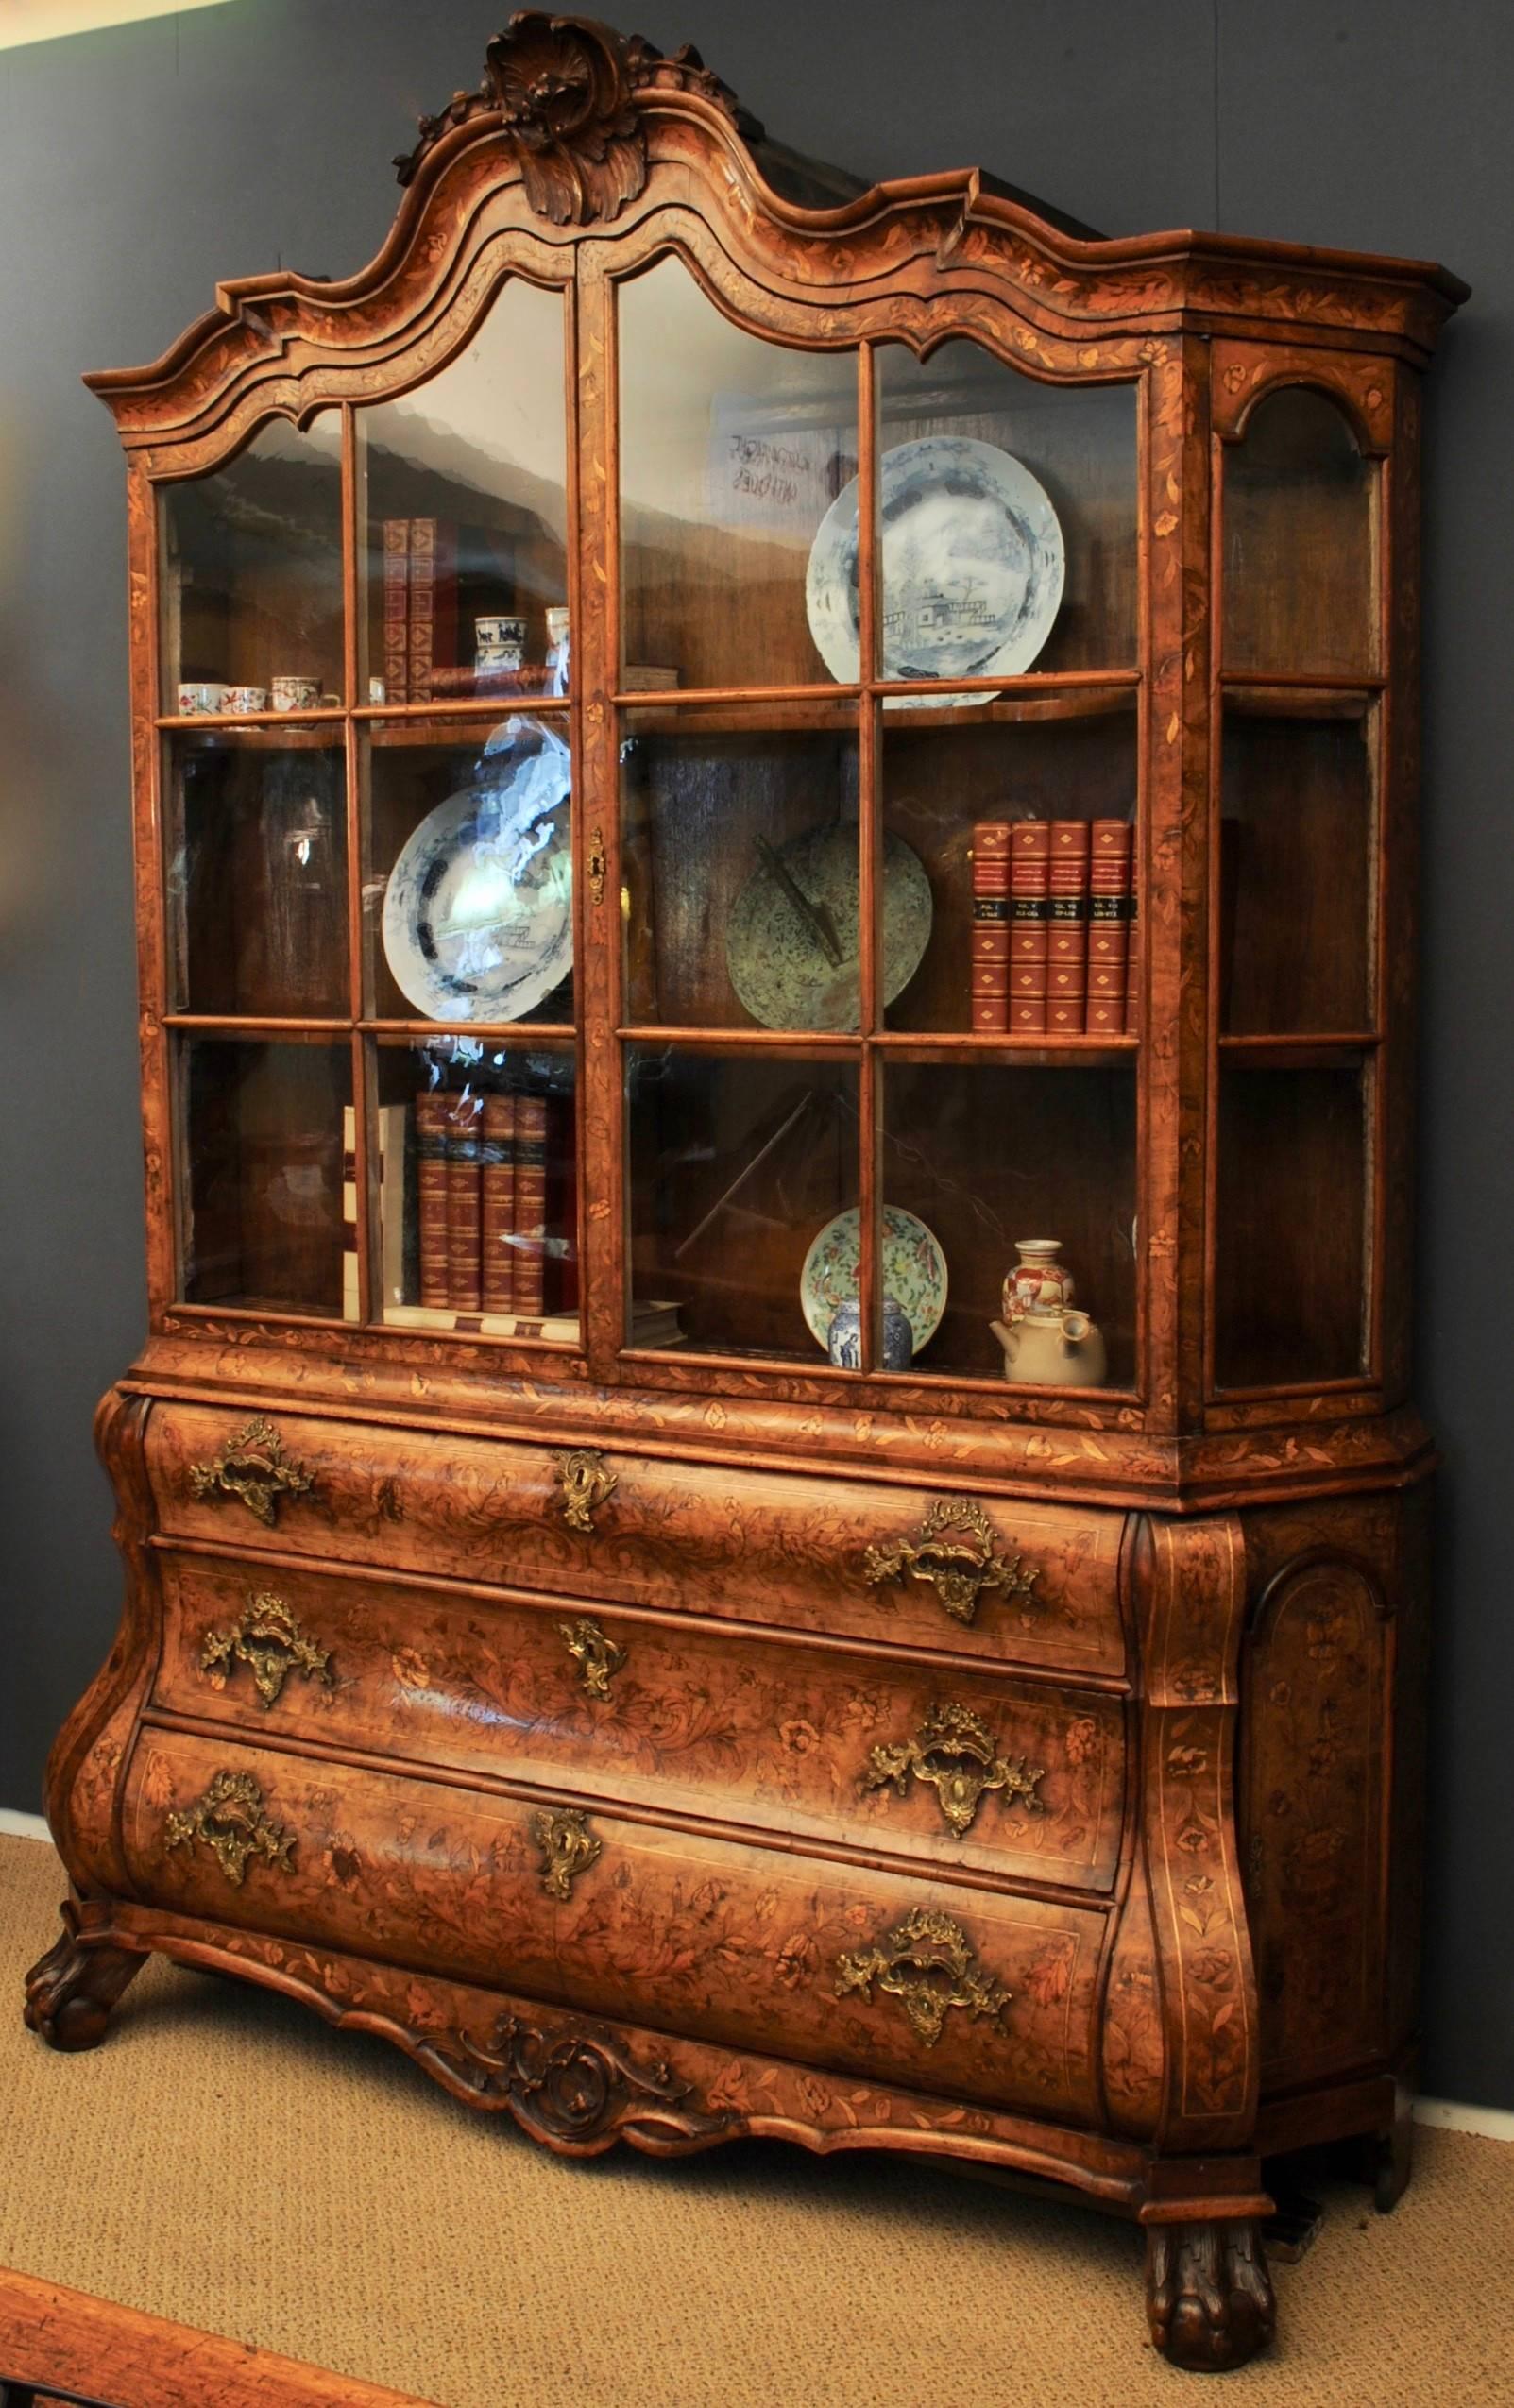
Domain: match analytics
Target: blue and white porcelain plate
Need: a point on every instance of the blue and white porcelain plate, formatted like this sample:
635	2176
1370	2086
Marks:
971	561
478	913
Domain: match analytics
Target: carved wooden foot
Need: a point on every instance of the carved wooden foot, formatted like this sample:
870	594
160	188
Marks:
1207	2293
71	1991
1392	2156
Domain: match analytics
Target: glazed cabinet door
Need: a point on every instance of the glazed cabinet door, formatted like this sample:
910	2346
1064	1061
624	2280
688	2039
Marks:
867	680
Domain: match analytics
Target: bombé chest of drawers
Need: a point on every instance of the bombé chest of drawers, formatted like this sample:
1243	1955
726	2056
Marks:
604	679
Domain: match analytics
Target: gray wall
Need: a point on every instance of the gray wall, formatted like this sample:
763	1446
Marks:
137	166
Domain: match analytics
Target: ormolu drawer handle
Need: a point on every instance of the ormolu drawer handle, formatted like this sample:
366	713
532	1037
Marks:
229	1820
568	1848
954	1751
928	1961
597	1657
254	1468
958	1568
585	1484
266	1637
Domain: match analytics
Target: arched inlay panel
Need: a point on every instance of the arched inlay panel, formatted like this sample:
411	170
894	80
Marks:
1299	542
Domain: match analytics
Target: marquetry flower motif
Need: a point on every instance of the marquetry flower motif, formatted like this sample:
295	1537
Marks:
1212	1969
1193	1837
798	1737
1047	1978
341	1861
1326	1635
411	1670
796	1960
1151	353
1082	1740
1324	1754
1187	1764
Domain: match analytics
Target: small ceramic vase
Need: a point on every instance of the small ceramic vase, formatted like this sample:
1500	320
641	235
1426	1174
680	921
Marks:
844	1341
1038	1283
1057	1349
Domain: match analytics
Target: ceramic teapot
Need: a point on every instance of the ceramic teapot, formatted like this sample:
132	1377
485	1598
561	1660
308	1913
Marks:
1057	1349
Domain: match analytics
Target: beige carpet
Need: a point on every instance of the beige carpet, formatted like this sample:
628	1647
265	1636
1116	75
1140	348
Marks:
226	2160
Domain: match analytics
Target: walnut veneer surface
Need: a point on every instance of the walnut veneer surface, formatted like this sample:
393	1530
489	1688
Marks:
644	1742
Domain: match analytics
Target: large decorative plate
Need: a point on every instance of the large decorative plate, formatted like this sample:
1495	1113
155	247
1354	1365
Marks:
792	937
914	1273
478	920
972	562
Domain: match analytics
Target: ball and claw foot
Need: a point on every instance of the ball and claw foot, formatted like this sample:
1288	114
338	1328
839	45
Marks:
71	1991
1207	2293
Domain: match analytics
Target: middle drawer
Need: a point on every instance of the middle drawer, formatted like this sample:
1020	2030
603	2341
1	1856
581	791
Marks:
1000	1775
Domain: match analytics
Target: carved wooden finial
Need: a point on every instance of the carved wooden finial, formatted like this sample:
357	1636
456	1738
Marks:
563	91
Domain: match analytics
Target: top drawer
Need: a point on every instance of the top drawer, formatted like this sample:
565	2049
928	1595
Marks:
987	1578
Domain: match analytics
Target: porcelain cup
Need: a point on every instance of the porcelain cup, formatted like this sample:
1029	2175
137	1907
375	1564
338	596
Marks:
246	698
299	694
197	701
499	643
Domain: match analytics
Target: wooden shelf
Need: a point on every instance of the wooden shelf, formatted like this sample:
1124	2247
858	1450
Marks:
1312	1049
905	1044
1300	697
1005	702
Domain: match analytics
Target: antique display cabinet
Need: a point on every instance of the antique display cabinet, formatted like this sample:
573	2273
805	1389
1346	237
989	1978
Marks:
773	1488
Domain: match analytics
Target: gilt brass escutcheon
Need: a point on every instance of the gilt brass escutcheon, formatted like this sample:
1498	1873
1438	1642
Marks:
585	1484
958	1568
955	1753
928	1961
229	1820
597	1656
568	1848
254	1468
598	865
266	1637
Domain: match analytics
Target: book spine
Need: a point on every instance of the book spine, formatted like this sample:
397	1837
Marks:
431	1180
530	1204
423	609
497	1223
989	968
396	644
565	1211
1030	925
1067	933
465	1199
1133	956
1109	878
351	1290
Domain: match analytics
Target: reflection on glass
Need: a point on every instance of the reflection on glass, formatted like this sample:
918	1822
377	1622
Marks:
732	451
1299	539
1297	849
252	576
257	875
957	785
468	905
737	1166
1290	1277
474	1193
1007	518
261	1150
986	1156
466	515
740	868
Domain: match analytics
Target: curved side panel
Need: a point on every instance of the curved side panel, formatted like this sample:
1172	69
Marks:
87	1759
1319	1684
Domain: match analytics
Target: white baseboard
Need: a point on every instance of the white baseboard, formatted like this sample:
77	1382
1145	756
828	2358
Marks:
1493	2122
1454	2114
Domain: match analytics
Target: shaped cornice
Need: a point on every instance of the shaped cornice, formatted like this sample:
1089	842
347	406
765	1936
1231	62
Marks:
578	131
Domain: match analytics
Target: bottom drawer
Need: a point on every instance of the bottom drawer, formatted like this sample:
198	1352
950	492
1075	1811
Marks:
932	1985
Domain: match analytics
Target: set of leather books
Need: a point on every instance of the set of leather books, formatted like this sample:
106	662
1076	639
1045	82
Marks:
482	1174
1053	921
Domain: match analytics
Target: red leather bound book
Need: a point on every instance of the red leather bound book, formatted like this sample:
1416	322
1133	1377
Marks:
394	648
1108	927
433	619
1030	925
464	1200
1067	935
530	1204
497	1205
1133	957
989	971
431	1181
563	1168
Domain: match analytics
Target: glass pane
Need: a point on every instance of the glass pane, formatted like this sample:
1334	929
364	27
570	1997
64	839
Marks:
256	873
1020	817
1291	1248
260	1143
740	862
987	1156
252	576
468	905
1007	518
738	1164
1299	549
474	1152
1297	854
465	485
732	451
